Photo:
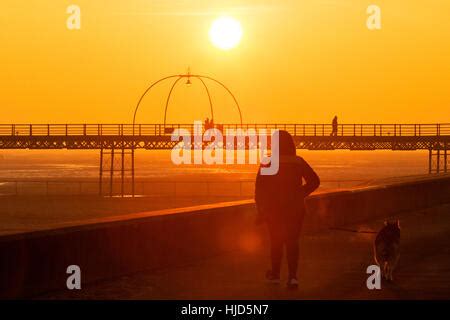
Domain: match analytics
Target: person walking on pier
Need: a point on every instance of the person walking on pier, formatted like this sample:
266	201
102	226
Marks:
280	203
334	126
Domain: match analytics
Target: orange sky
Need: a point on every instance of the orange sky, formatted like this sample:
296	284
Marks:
299	61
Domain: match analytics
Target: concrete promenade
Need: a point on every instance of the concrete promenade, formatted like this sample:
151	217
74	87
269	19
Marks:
216	251
332	266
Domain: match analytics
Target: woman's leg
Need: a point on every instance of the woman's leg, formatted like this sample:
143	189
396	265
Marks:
276	249
292	248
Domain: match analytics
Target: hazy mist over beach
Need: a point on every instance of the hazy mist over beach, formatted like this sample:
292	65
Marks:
332	165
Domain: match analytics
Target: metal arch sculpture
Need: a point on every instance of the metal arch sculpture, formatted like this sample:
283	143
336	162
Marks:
178	78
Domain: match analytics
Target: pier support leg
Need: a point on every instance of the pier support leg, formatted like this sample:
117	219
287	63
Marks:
122	174
100	180
435	165
430	160
445	158
120	169
438	161
132	172
111	175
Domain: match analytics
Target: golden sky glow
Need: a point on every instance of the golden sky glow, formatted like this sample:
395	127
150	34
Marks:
299	61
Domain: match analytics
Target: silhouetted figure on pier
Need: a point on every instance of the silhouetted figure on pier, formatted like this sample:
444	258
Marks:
209	124
280	203
334	125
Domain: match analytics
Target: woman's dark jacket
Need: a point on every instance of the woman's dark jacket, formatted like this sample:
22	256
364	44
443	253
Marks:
281	197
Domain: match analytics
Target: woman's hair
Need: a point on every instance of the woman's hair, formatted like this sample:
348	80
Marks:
286	143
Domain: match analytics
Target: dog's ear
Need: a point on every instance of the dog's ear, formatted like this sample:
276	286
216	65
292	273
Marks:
398	223
385	222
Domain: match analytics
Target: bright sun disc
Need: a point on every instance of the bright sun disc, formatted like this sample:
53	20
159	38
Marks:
225	33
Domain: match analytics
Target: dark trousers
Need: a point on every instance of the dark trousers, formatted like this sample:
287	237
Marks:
285	235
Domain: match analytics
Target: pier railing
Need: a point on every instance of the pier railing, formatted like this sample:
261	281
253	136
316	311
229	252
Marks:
307	130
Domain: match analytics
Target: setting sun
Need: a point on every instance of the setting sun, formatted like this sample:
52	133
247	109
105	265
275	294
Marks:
225	33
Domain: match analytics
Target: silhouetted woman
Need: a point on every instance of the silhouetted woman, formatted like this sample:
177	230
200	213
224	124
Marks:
280	202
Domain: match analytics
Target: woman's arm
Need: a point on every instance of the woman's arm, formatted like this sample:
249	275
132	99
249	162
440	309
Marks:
311	178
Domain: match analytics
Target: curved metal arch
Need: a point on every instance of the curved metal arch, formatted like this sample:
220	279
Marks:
200	77
172	88
229	91
168	99
209	97
145	92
